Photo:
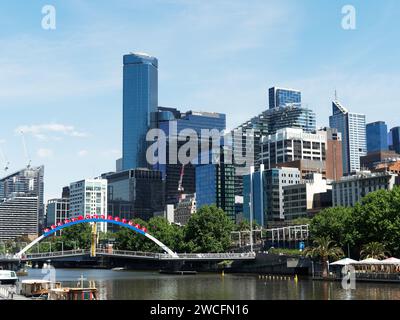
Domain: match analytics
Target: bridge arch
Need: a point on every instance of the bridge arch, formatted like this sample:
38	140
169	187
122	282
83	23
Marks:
74	221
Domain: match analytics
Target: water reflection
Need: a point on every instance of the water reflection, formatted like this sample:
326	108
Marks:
129	285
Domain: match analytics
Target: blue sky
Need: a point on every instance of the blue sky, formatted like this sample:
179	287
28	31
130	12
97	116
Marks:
64	86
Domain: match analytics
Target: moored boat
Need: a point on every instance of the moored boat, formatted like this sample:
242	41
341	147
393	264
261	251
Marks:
8	277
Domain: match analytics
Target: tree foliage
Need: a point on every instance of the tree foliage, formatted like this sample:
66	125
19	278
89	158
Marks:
208	230
324	248
376	218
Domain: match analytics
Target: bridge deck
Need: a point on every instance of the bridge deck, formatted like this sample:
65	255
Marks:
140	255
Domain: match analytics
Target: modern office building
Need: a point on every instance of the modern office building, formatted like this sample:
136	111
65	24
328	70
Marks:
140	101
215	186
266	123
377	136
351	189
275	180
185	209
267	198
135	193
353	130
253	196
27	182
19	217
394	137
307	198
280	97
57	210
291	144
174	123
88	198
334	162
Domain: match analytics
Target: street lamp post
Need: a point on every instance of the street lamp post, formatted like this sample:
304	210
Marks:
251	208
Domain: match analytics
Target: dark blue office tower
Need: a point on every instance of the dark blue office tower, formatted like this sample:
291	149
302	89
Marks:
140	101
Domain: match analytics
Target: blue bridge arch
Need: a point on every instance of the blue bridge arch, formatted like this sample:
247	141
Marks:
130	225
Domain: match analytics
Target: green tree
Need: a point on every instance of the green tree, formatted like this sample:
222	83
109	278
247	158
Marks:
374	250
324	248
126	239
208	230
77	236
337	224
377	219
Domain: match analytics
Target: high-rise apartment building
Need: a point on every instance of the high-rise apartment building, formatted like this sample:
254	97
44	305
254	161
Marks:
280	97
377	136
353	130
19	217
88	198
140	101
26	182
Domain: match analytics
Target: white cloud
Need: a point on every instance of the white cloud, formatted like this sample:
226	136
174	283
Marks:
82	153
43	131
45	153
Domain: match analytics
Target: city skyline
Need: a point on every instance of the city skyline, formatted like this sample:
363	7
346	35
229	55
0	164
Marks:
73	123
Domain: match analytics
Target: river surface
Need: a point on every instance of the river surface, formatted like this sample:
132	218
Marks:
138	285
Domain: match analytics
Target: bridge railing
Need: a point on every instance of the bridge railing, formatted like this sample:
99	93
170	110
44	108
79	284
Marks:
227	256
129	253
55	254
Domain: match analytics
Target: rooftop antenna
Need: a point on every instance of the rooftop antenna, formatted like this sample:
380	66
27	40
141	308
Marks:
3	156
336	97
28	158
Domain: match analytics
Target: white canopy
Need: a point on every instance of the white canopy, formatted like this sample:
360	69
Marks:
370	261
343	262
391	261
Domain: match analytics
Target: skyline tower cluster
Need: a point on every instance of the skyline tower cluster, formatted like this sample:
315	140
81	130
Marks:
295	168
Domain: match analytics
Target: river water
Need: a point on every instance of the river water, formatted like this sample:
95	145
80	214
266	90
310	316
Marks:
137	285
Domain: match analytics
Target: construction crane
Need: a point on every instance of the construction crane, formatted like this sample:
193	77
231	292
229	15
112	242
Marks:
6	162
180	183
28	158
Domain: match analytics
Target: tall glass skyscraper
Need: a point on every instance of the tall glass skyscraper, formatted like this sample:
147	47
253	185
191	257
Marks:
377	136
140	101
354	140
394	136
279	97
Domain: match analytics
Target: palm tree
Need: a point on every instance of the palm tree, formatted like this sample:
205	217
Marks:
375	250
324	248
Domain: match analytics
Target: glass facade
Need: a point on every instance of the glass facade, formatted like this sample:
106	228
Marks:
394	138
377	136
169	118
135	193
140	101
215	185
352	126
280	97
267	123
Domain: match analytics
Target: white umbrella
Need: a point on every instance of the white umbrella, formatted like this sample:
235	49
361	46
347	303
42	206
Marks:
370	261
343	262
391	261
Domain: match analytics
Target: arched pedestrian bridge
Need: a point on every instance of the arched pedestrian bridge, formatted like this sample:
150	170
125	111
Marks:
168	255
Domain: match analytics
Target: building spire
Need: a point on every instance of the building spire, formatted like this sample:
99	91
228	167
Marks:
336	98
